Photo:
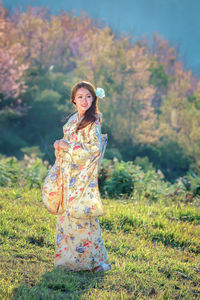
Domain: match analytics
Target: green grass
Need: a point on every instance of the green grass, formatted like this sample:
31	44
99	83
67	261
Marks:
153	247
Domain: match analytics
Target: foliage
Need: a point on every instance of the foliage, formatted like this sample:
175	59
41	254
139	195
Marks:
12	67
116	179
191	182
159	77
144	163
34	151
28	172
126	179
151	101
9	171
112	153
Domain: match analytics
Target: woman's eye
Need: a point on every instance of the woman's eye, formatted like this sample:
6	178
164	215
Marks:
80	97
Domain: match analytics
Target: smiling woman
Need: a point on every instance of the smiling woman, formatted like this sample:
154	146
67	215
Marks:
83	100
79	245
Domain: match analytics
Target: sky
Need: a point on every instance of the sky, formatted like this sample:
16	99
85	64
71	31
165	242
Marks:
175	20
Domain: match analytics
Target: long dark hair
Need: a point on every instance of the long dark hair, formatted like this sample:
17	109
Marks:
91	115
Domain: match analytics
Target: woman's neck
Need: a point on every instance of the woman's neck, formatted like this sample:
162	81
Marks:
80	114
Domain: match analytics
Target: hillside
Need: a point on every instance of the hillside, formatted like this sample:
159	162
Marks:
153	248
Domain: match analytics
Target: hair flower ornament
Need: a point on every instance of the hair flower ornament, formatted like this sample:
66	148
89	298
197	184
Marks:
100	93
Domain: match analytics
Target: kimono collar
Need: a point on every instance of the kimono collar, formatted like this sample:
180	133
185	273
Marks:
77	117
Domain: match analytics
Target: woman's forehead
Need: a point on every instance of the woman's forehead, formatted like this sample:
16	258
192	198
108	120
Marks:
82	90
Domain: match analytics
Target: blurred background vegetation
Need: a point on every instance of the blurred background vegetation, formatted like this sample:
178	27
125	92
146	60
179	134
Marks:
151	111
149	177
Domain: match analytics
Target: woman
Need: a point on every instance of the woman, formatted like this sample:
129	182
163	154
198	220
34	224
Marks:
79	244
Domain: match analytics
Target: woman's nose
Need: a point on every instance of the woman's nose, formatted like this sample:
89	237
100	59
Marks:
85	99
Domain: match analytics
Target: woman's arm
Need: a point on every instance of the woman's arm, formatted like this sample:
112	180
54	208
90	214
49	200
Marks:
62	144
88	149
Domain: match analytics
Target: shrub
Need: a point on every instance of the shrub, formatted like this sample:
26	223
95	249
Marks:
120	183
117	179
30	171
9	171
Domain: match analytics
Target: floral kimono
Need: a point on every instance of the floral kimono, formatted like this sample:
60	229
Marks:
79	245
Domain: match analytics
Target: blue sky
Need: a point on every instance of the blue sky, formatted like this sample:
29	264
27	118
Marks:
175	20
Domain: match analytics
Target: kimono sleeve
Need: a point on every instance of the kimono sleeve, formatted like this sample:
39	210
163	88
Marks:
88	149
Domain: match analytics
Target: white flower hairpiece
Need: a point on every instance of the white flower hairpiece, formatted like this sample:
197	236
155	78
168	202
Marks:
100	93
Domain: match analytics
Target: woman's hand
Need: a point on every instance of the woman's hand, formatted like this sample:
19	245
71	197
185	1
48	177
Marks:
57	144
60	144
53	213
63	145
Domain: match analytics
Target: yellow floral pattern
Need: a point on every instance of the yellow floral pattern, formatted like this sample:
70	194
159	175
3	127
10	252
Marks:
79	245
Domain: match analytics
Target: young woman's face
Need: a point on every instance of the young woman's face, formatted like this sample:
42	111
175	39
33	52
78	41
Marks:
83	99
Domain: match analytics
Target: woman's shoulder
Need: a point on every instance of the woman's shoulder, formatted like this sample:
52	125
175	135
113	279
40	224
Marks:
100	115
95	125
71	118
98	118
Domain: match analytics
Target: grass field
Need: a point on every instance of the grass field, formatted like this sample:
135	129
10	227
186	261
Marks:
153	248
